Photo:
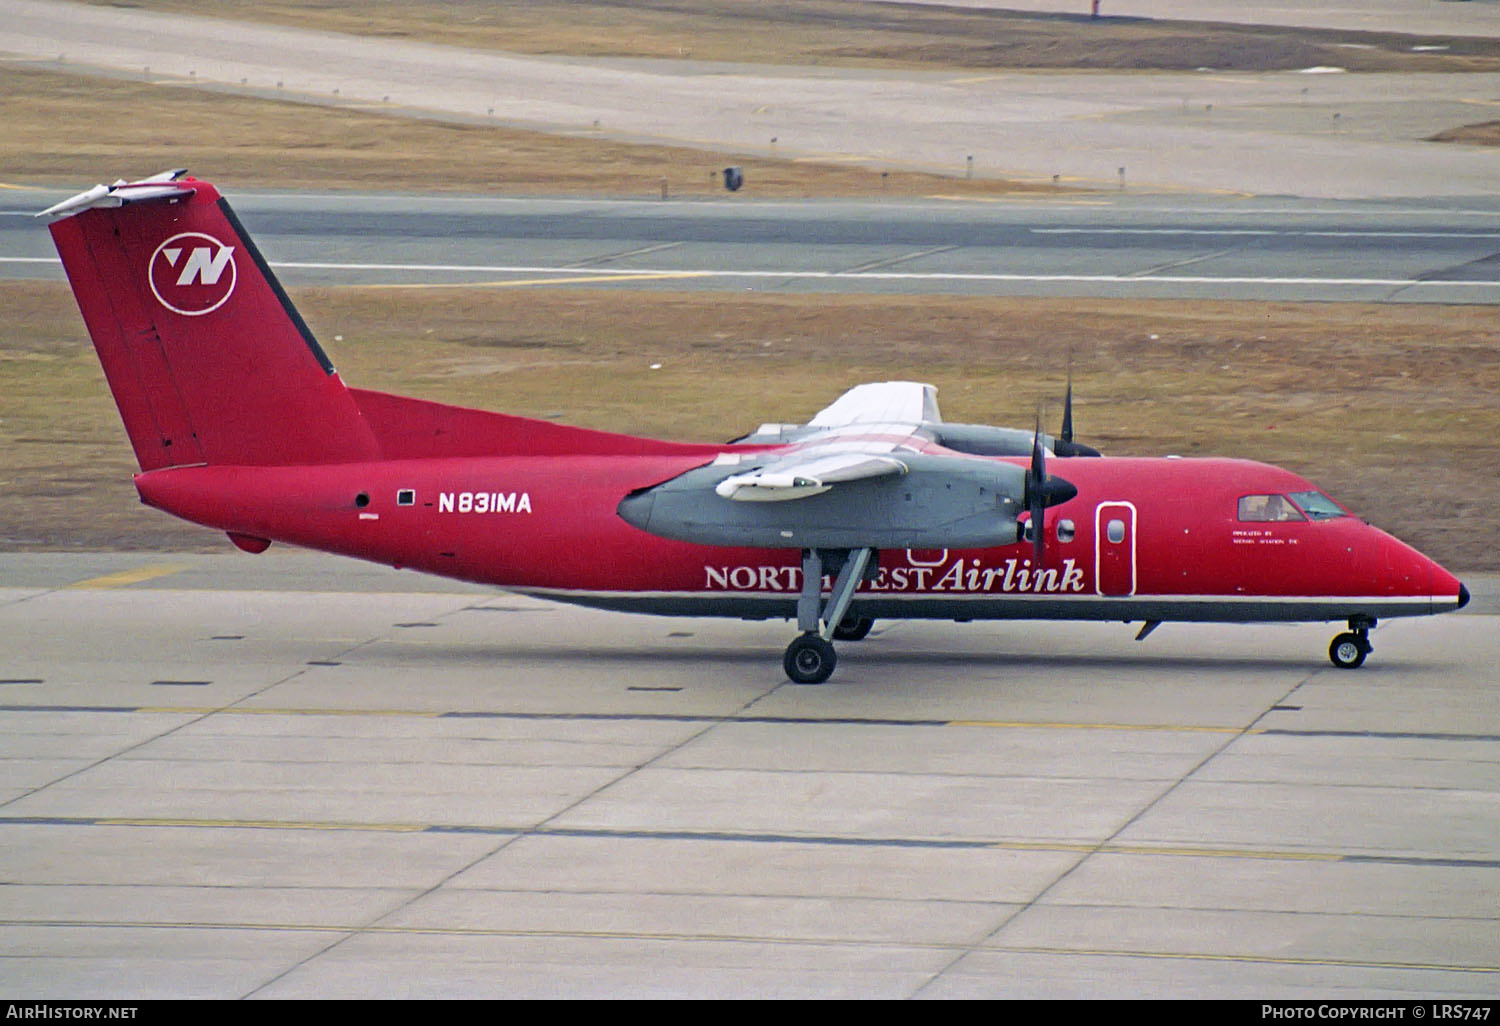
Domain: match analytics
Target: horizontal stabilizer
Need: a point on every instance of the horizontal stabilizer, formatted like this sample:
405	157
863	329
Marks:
157	187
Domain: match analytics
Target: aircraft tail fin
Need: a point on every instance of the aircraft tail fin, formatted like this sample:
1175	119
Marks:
207	358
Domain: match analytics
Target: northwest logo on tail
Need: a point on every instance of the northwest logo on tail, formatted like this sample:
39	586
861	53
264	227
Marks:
192	274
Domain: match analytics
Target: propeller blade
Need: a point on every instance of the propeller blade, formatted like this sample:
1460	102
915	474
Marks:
1042	492
1064	445
1036	495
1067	428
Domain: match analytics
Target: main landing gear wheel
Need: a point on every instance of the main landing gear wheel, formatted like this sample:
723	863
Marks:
1348	651
853	628
809	660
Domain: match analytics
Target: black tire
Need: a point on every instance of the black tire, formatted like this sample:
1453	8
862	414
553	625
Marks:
809	660
1348	651
853	627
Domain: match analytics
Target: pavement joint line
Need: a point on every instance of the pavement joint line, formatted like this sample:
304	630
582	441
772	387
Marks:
823	721
1185	262
902	258
767	720
541	826
590	263
830	721
1100	847
736	938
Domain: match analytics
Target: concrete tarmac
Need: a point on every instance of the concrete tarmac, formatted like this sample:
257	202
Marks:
1312	132
292	776
1420	17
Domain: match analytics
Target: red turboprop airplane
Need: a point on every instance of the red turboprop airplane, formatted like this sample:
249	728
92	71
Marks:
875	508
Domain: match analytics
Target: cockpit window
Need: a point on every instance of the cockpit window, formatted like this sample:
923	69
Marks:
1267	508
1317	505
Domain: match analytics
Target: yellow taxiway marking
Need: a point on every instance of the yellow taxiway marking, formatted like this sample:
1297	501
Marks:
498	829
748	938
1015	197
1039	725
188	710
1205	956
572	279
1220	853
833	158
24	188
128	577
1084	848
264	824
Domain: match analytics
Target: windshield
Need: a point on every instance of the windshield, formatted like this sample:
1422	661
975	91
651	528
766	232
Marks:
1266	509
1317	505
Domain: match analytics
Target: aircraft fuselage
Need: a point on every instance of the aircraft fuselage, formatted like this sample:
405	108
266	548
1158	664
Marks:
1144	539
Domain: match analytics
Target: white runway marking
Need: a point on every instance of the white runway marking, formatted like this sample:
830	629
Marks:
1306	233
601	273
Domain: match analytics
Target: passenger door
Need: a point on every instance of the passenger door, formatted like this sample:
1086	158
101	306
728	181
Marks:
1114	549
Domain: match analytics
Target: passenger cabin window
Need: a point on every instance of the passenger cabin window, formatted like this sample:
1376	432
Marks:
1115	531
1066	530
1267	509
1318	506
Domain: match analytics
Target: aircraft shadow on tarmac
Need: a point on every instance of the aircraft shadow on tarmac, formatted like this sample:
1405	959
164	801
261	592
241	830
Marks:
912	662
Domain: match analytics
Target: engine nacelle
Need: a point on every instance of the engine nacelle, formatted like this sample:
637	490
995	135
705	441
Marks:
926	508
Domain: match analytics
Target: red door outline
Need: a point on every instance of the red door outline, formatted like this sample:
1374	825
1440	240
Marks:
1114	561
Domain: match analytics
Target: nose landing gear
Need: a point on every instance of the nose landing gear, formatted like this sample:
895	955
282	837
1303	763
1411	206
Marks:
1348	651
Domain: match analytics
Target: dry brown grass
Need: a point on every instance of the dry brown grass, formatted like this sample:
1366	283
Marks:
843	32
1391	408
68	128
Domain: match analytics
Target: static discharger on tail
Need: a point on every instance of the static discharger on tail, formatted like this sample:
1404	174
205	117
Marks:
875	508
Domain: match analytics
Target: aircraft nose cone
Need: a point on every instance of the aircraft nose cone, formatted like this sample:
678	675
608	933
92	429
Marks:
1463	596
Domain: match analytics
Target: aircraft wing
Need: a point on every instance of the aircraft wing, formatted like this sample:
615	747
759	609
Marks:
873	470
807	473
855	438
883	402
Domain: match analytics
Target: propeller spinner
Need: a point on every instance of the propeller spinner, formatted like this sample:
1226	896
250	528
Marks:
1041	492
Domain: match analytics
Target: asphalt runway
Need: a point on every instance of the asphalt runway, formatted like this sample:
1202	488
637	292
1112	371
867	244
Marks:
290	776
1102	245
